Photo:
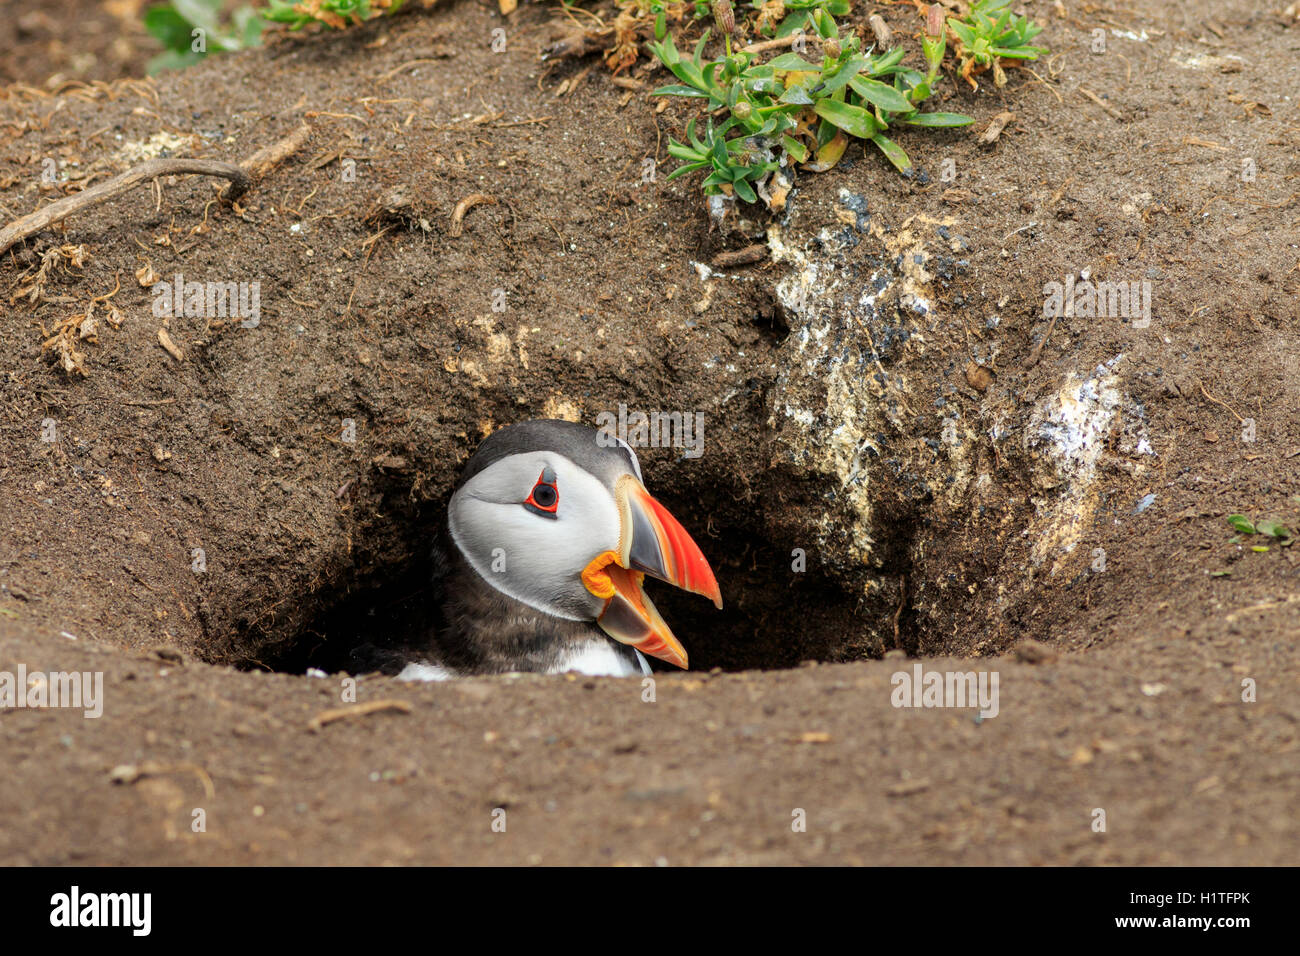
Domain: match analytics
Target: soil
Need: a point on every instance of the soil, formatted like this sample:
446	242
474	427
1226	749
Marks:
55	43
205	530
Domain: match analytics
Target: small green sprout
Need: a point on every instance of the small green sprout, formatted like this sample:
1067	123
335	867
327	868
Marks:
1241	523
1272	529
983	42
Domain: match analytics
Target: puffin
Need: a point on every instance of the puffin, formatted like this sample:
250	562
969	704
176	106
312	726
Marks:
550	535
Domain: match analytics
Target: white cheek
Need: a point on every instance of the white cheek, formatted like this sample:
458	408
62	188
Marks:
535	559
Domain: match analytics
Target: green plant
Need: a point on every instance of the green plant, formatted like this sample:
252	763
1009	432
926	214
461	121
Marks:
1271	529
738	163
983	41
333	13
806	109
191	29
798	13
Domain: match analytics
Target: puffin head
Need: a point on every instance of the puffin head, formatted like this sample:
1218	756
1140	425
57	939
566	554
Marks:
554	514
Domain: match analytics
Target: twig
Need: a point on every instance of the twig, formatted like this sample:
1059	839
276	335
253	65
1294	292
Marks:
241	177
130	773
1201	386
269	157
464	206
1038	349
741	257
357	710
779	43
55	212
1102	103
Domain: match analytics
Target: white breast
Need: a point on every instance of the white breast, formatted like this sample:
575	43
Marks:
600	658
420	671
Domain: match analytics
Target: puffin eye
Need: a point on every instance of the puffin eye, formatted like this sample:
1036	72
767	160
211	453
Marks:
544	499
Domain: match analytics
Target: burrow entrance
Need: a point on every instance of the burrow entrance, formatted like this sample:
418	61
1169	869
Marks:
379	611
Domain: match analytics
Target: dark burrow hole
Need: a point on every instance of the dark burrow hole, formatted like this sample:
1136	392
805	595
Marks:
383	610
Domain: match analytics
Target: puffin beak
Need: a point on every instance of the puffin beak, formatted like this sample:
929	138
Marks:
653	542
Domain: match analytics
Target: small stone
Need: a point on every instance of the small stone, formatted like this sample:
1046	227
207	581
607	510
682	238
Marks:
978	376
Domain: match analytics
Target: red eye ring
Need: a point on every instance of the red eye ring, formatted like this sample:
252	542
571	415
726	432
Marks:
544	499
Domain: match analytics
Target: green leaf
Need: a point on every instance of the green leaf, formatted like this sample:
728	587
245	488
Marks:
894	153
797	95
825	24
1018	53
854	120
849	69
682	151
677	89
827	131
939	120
667	51
793	23
788	62
1241	523
169	28
699	47
745	191
881	94
1273	529
684	70
683	170
695	140
248	27
767	86
200	13
797	150
172	60
964	33
888	61
718	152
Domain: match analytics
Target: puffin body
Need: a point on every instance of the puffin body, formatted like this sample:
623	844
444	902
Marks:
550	533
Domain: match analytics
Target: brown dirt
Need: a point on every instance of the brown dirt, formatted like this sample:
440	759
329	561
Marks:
56	42
372	310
